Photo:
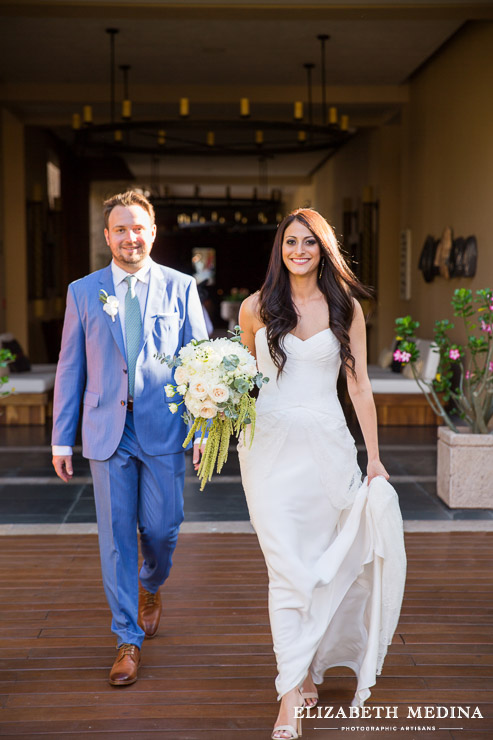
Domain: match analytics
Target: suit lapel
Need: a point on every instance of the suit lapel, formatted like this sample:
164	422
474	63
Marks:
155	301
115	327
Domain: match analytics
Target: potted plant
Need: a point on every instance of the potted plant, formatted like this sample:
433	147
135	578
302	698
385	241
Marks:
464	376
6	357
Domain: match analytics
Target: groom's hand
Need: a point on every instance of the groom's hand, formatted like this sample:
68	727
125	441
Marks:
198	451
63	467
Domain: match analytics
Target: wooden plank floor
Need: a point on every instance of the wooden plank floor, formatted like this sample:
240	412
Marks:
210	672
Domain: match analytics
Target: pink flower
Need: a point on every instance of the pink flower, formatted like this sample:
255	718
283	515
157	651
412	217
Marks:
468	374
454	354
491	366
486	327
400	356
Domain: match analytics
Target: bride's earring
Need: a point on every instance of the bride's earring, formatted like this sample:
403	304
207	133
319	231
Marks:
322	265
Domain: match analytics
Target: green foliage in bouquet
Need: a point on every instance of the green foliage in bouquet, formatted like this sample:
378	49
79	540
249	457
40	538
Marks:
473	396
219	432
6	357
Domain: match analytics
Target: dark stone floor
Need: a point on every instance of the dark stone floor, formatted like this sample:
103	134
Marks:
25	454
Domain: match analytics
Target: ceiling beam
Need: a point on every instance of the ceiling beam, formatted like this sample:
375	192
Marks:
248	9
201	94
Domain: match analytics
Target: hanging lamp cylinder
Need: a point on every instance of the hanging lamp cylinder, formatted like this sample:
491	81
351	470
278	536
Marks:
244	107
126	109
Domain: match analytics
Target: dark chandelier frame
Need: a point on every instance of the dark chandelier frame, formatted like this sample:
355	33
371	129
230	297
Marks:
245	136
318	138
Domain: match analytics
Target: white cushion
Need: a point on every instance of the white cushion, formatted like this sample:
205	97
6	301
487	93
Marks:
430	358
383	380
39	379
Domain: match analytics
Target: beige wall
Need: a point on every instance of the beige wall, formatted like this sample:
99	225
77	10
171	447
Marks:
13	228
450	163
431	169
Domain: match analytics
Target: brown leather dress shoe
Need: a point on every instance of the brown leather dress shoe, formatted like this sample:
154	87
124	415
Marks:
149	612
124	671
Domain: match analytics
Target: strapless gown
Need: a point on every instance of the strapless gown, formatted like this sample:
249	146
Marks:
333	545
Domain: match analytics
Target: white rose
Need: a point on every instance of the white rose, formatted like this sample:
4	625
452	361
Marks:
198	389
111	306
169	390
173	407
181	375
219	393
181	389
193	404
248	368
208	410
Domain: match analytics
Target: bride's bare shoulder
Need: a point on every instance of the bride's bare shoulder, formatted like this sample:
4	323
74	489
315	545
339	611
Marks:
358	314
250	310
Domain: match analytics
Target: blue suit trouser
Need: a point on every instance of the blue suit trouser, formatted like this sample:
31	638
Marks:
135	489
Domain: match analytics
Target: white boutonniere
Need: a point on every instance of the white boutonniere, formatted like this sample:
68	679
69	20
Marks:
110	303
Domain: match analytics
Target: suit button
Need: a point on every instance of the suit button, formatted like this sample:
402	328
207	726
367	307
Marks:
122	403
125	370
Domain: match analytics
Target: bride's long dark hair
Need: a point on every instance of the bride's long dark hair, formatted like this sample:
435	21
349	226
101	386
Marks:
336	282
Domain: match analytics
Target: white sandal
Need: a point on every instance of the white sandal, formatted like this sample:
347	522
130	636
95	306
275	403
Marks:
310	695
295	733
288	728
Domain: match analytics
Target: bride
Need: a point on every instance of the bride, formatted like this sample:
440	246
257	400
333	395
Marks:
333	544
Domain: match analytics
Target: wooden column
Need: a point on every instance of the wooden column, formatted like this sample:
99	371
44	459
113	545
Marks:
13	208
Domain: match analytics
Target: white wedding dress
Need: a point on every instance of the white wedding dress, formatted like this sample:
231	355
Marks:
333	545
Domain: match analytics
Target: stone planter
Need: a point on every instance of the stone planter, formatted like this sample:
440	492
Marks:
465	469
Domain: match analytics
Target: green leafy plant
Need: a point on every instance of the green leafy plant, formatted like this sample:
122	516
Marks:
237	295
473	396
6	357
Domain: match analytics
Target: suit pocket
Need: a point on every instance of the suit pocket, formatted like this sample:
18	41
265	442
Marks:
166	321
91	399
165	331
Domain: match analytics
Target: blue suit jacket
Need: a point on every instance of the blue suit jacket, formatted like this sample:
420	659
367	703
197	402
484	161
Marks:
92	367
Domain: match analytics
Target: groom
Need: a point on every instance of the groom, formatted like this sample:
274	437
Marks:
133	442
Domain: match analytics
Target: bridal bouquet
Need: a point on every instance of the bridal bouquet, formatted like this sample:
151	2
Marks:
215	377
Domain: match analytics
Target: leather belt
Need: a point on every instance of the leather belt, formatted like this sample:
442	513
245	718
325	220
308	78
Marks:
130	404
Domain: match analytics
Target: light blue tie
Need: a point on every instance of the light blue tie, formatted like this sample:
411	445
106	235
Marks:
133	330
